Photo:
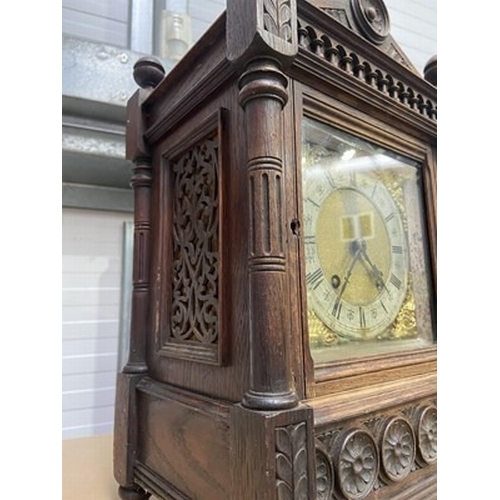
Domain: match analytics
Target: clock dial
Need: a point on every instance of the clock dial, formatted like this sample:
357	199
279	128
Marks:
361	220
357	270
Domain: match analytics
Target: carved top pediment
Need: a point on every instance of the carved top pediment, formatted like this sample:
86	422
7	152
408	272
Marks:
369	19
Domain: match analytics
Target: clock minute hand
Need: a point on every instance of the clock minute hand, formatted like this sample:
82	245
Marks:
374	271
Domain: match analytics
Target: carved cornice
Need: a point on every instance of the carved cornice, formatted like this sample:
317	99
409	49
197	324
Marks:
324	44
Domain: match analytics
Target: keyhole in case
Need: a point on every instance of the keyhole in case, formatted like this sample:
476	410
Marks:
295	227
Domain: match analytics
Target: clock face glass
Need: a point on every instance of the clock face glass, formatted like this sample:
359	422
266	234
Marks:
366	266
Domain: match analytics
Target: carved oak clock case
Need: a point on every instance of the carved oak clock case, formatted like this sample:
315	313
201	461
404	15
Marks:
283	333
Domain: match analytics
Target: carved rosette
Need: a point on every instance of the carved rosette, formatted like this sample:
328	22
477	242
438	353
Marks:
397	449
372	18
357	463
324	473
427	435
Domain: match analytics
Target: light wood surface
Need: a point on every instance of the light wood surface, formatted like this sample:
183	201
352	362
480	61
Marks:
87	469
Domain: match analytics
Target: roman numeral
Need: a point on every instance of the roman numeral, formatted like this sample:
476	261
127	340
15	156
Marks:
330	178
337	308
310	240
315	278
312	202
362	319
389	217
395	281
397	249
384	308
352	179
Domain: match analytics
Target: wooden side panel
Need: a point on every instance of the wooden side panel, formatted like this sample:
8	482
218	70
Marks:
184	442
231	381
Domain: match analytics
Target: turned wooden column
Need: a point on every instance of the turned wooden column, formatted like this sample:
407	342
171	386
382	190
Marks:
261	39
147	73
263	95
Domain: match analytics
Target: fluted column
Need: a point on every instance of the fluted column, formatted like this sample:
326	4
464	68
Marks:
263	94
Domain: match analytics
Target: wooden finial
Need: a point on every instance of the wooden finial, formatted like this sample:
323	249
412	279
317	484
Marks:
148	72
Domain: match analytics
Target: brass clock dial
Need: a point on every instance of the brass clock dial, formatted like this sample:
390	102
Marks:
365	265
357	266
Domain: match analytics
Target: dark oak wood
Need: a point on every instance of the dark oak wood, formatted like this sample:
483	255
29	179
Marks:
220	397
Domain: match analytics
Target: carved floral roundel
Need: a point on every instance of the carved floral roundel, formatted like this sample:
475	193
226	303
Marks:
372	18
427	434
358	464
397	448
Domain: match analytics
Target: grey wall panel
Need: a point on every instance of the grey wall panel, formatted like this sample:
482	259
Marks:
99	380
98	29
110	9
91	271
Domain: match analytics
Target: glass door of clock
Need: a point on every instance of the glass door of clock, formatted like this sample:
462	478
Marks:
366	262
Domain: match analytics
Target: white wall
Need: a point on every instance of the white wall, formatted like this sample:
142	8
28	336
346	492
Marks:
91	278
414	27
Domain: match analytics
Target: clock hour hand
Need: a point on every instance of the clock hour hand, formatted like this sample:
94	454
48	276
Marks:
355	258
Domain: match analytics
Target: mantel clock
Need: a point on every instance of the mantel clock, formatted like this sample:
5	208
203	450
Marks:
283	322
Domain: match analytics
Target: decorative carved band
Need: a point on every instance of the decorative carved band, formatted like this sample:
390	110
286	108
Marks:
195	224
367	454
338	55
291	462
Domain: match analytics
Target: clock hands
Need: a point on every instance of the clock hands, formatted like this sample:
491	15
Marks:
355	258
358	249
372	268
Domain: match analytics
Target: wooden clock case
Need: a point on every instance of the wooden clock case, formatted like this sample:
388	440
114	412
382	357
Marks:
220	398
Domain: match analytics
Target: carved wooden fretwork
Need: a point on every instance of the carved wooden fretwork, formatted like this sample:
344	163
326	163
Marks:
375	451
193	323
291	462
339	55
195	225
